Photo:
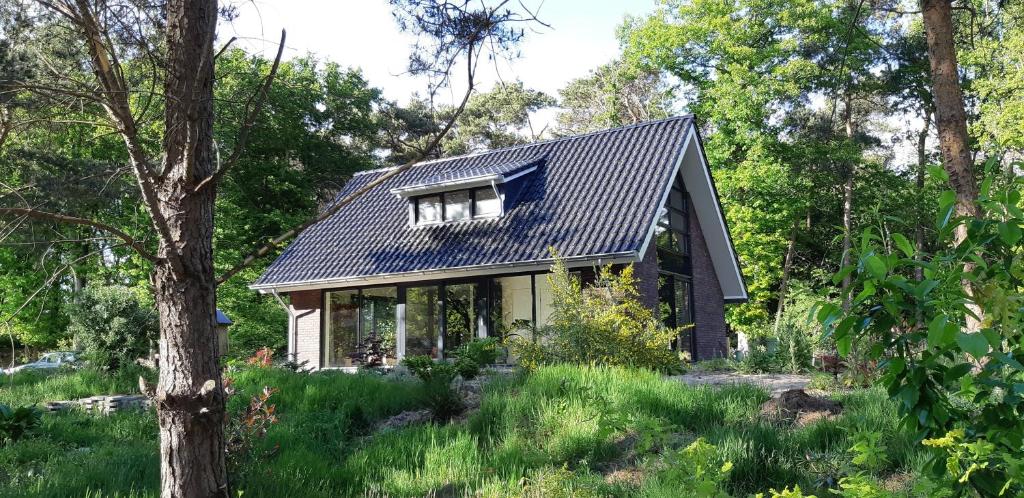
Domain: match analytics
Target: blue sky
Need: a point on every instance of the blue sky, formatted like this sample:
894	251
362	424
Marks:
362	33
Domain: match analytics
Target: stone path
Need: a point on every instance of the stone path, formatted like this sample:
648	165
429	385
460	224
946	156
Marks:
774	383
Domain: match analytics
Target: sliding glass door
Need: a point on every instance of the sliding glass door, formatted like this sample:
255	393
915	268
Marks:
357	318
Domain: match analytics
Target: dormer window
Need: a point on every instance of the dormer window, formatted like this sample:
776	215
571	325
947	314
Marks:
428	209
471	193
457	205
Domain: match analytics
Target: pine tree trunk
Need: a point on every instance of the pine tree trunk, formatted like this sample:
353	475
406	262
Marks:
950	117
951	122
922	163
190	394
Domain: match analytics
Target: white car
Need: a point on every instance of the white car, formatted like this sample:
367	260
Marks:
47	361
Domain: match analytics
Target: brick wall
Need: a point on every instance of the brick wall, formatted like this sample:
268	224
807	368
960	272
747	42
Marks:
306	306
708	300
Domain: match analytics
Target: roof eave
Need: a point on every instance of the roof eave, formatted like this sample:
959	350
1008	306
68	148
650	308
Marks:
442	273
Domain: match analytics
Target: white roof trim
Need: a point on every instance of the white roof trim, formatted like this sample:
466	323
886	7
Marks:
440	274
697	177
461	183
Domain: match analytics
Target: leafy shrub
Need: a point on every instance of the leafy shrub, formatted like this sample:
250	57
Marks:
16	423
949	343
112	326
437	392
263	358
759	360
250	426
604	324
474	355
696	470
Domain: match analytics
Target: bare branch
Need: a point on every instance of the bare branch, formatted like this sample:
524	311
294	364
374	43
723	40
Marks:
130	241
250	121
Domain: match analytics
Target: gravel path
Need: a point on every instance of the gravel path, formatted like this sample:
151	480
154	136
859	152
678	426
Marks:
774	383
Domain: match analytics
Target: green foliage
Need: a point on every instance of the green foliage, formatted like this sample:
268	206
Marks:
948	378
696	470
614	94
18	422
112	325
474	355
436	391
605	324
558	430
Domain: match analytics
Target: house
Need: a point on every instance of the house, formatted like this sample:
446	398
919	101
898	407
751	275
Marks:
458	248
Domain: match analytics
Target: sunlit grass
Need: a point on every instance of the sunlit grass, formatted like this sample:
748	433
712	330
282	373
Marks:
552	433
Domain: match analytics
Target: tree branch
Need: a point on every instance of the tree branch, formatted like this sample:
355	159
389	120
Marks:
250	120
130	241
284	237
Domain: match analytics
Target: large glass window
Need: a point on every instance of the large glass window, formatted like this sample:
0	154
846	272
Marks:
428	209
341	334
422	321
377	319
460	315
487	202
676	310
511	306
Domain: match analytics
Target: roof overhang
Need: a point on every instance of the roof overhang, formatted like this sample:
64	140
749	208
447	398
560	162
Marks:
538	265
504	175
693	167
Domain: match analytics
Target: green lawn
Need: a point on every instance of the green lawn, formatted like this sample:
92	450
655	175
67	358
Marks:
559	431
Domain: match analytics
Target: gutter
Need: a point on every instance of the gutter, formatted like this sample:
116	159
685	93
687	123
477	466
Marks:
620	257
292	336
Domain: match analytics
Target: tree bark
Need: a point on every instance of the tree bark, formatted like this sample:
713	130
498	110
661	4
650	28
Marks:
922	163
950	117
190	396
787	266
951	123
848	206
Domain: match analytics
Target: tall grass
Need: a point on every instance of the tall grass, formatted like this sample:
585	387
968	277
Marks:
555	432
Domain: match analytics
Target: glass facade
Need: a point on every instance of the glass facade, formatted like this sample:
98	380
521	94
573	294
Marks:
675	296
423	321
341	334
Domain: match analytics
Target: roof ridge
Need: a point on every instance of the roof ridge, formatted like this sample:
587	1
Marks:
531	144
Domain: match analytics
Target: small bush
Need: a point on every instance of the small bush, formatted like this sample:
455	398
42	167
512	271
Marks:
474	355
604	324
112	326
16	423
436	389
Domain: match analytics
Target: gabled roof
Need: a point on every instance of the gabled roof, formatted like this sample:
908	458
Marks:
593	196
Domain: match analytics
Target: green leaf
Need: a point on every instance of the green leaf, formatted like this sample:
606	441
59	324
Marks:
1010	233
903	244
875	266
843	344
947	202
841	274
954	373
941	332
974	344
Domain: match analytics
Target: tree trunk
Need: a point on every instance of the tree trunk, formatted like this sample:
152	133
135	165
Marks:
787	266
848	207
951	123
190	394
922	163
950	117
